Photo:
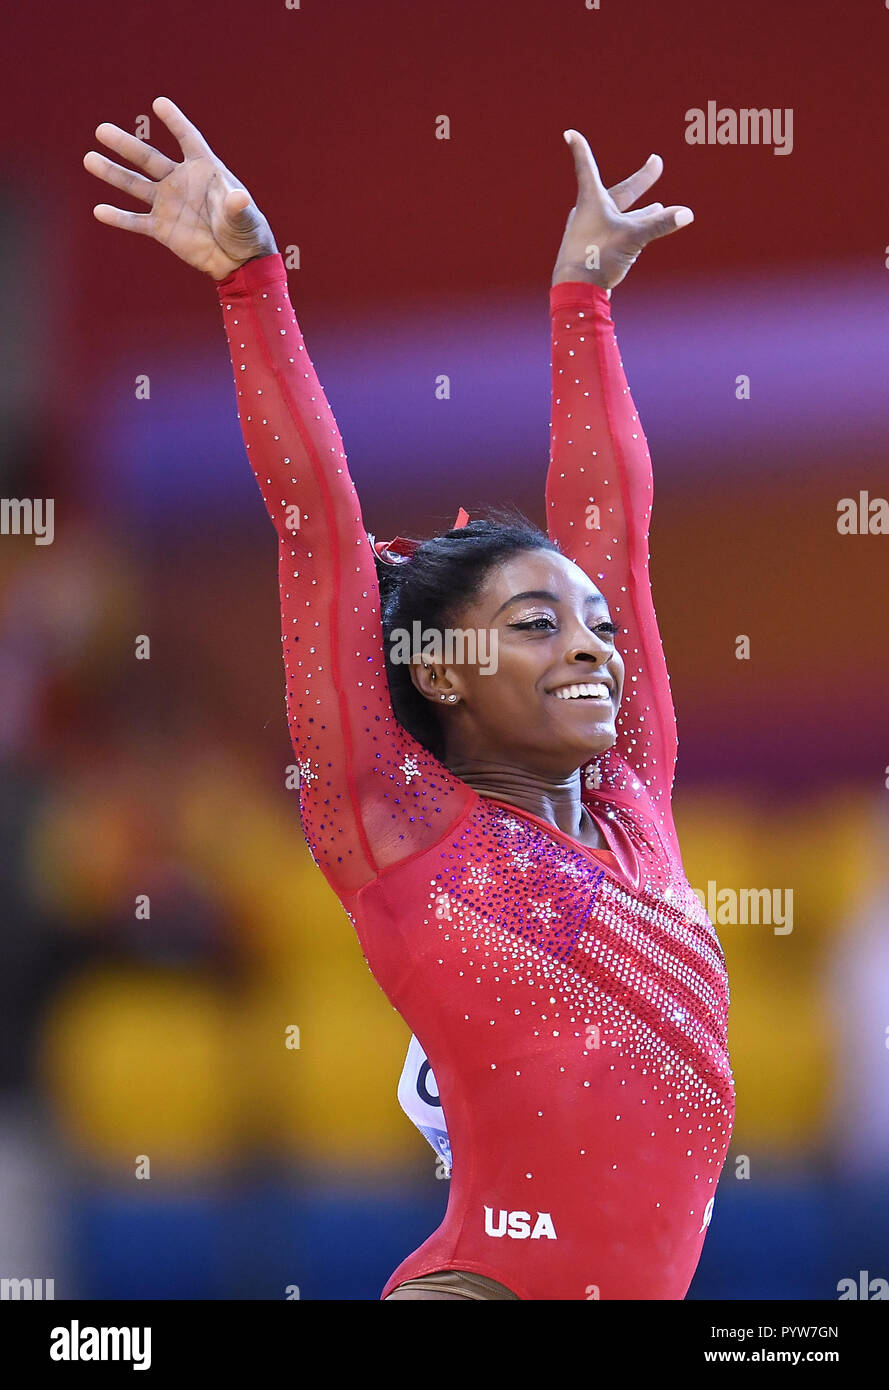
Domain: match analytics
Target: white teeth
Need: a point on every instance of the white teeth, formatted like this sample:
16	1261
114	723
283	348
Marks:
574	692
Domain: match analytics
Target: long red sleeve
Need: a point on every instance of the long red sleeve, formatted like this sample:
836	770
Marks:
598	506
370	795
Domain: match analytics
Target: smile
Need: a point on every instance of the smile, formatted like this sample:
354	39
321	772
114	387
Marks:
583	692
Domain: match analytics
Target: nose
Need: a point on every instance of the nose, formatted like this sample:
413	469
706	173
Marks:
589	646
595	653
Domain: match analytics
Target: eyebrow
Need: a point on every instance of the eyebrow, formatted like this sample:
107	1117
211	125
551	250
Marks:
553	598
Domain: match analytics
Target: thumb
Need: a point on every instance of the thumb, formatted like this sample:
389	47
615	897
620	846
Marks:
242	217
237	200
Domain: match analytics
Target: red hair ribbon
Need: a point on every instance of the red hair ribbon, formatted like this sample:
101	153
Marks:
400	549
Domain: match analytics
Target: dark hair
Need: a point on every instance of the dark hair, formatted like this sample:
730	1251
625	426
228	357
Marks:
442	575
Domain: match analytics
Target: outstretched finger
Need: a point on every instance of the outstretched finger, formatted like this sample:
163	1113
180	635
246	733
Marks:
628	190
127	180
664	222
191	141
138	152
588	178
127	221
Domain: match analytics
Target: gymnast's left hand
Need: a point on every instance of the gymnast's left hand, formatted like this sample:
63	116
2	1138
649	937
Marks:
603	238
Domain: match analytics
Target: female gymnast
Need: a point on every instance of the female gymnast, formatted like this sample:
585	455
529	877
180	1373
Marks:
501	839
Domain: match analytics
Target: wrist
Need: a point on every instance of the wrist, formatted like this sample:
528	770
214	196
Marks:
260	255
574	271
271	250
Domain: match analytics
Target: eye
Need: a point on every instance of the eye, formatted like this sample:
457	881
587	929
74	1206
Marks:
533	622
612	629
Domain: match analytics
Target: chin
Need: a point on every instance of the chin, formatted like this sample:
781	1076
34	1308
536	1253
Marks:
597	746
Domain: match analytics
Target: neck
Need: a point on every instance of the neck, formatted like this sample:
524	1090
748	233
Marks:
556	800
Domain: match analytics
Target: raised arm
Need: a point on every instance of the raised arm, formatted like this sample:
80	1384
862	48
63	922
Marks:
599	484
370	795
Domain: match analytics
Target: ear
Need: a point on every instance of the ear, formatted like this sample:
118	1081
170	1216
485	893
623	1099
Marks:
432	679
425	676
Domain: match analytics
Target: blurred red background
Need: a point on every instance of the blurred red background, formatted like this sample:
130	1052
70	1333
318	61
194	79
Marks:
122	1037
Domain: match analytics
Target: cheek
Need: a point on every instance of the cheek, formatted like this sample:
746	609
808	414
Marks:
510	685
502	690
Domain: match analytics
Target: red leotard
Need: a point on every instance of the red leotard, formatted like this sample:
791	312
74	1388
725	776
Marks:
572	1002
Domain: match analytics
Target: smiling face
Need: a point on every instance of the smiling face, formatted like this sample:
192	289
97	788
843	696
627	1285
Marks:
553	634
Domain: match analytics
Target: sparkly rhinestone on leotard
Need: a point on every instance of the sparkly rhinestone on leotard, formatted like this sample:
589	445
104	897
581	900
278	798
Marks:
572	1002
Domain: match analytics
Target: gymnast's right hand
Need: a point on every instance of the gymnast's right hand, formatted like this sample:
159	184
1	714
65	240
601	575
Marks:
198	208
